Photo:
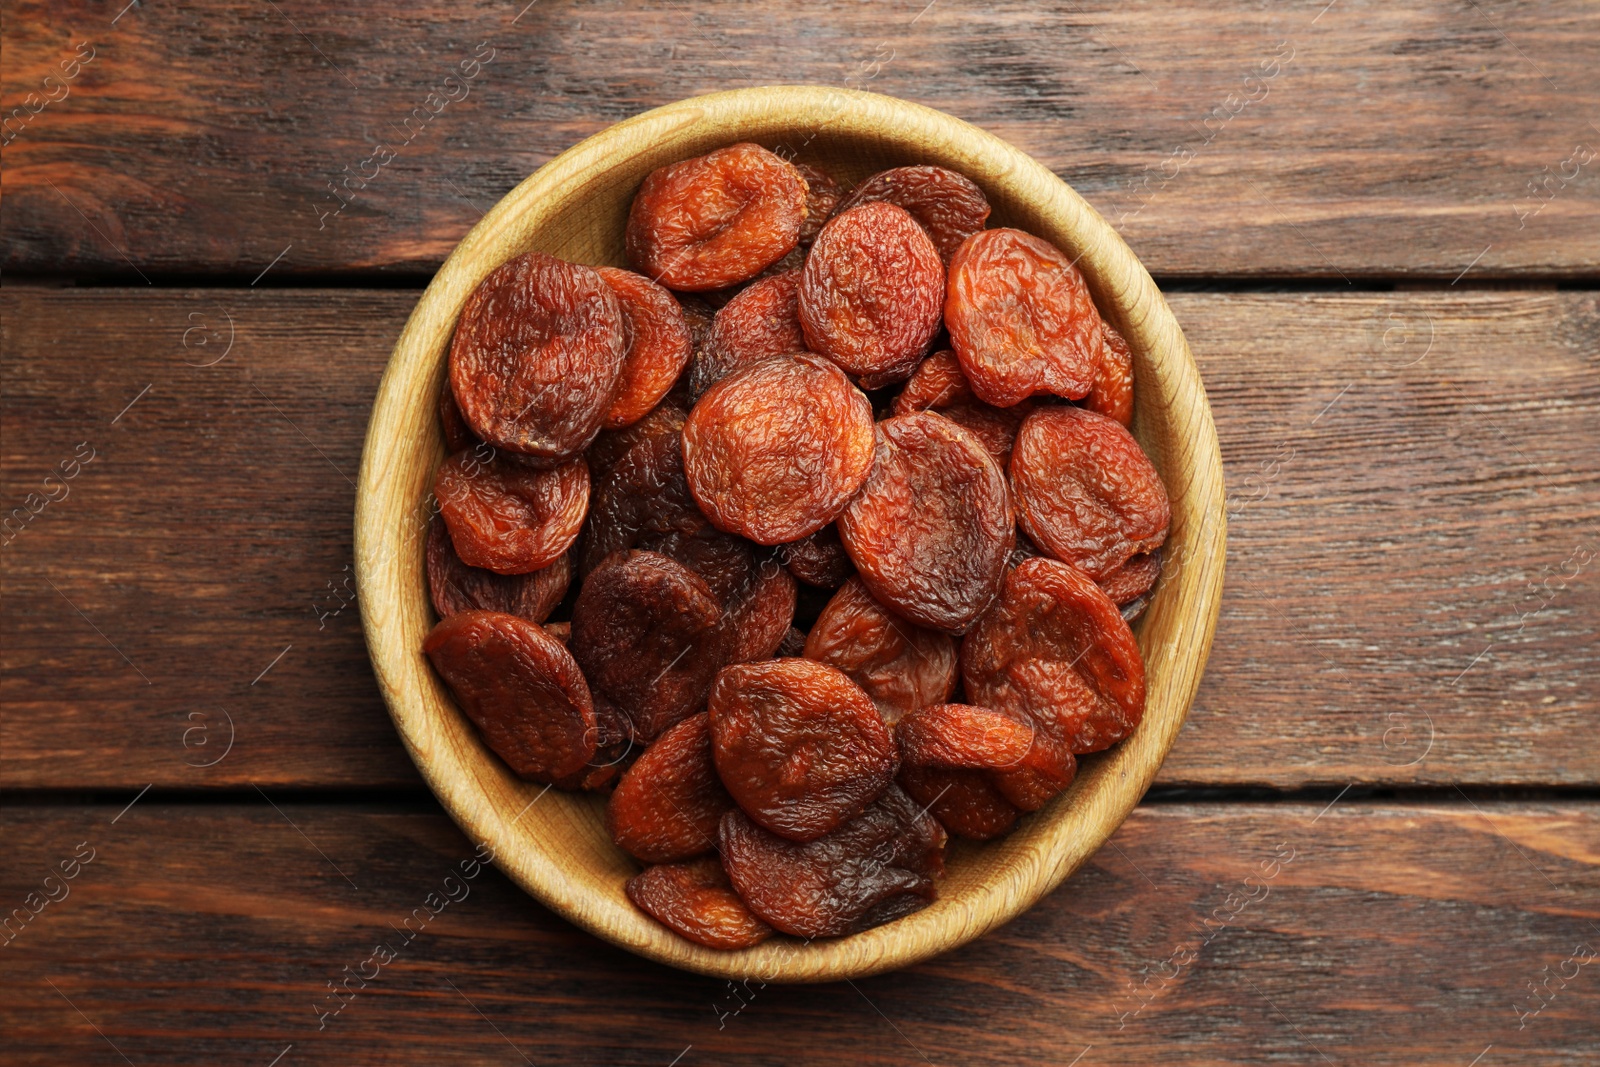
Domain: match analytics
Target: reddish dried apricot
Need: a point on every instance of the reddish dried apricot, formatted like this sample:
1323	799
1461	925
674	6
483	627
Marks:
696	900
946	204
537	356
822	198
798	744
875	868
932	528
1055	648
1021	319
774	450
509	518
520	687
456	587
659	345
669	803
457	434
1134	578
870	291
1046	770
819	559
938	385
1085	491
961	736
761	321
716	220
757	595
965	802
899	665
1112	394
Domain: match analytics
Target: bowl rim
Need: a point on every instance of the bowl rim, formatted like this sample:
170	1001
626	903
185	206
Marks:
1109	786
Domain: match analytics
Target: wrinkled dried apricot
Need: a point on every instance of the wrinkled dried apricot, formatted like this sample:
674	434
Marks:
537	357
1024	766
457	434
1134	578
793	644
456	587
762	321
716	220
870	292
899	665
757	595
669	803
659	345
1054	647
819	559
695	899
822	198
1020	318
931	530
946	204
877	867
798	744
521	689
1112	394
643	491
966	803
1085	491
938	385
774	450
509	518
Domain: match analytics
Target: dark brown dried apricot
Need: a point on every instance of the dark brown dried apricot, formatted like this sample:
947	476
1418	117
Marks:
659	345
822	198
643	492
1112	394
873	869
938	385
1055	648
457	434
669	803
899	665
520	687
775	450
931	530
1021	319
965	802
1085	491
509	518
455	587
870	292
762	320
757	595
946	204
819	559
537	357
717	219
793	644
798	744
695	899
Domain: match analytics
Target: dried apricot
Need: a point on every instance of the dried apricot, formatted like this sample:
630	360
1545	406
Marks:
966	803
1085	491
537	357
1134	578
822	198
1024	765
938	385
798	744
455	587
899	665
931	530
792	645
775	450
1055	648
659	345
1112	394
1021	319
520	687
762	321
819	559
870	292
457	434
695	899
946	204
716	220
669	803
757	595
509	518
643	492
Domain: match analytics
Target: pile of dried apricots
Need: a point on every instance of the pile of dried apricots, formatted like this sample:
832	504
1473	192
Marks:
724	538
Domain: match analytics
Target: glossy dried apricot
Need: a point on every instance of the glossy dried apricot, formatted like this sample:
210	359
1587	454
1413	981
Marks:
1112	394
659	345
521	689
509	518
762	320
455	587
669	803
946	204
1046	770
695	899
1054	647
898	664
537	357
1085	491
964	737
798	744
717	219
966	803
931	530
870	292
938	385
819	559
1021	319
774	450
822	198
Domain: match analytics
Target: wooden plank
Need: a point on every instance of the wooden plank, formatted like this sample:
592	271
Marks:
1415	498
1360	138
1207	935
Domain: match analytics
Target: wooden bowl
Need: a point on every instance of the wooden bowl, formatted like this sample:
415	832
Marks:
554	844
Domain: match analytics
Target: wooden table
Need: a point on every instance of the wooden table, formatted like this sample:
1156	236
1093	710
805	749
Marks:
1380	229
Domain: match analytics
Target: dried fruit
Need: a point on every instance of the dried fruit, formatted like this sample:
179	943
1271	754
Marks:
899	665
762	320
822	198
793	644
819	559
669	803
659	345
946	204
1112	394
966	803
798	744
520	687
716	220
757	595
961	736
1134	578
931	530
456	587
938	385
457	434
1055	648
537	357
1024	766
696	900
774	450
870	292
1085	491
643	492
509	518
1020	318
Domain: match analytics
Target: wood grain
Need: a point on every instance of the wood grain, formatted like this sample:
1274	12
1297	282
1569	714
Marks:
1370	139
1372	934
1369	567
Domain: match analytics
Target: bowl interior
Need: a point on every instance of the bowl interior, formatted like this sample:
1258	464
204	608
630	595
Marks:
553	843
